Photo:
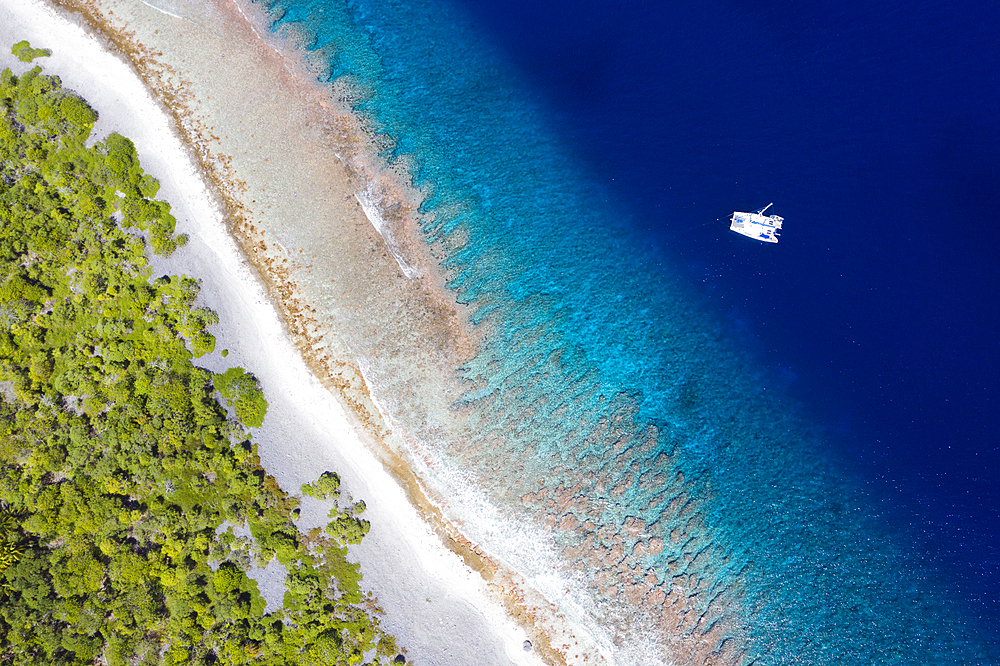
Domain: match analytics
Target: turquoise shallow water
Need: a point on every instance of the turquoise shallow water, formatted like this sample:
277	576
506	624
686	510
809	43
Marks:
608	403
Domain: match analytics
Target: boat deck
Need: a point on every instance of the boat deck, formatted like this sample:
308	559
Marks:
756	225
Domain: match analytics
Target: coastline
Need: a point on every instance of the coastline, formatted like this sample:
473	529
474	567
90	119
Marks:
334	346
293	336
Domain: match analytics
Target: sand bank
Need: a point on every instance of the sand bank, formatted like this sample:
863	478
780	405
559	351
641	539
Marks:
438	607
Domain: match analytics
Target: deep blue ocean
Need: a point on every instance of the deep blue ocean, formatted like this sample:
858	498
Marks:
592	153
875	129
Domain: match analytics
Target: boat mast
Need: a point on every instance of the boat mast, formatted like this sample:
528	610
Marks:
761	211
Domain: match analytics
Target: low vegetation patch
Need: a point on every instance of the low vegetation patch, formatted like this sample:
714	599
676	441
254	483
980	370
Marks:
25	53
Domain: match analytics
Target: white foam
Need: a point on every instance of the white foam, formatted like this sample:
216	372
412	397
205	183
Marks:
161	9
367	200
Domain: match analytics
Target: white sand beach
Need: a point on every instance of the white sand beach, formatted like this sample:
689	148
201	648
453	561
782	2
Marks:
440	610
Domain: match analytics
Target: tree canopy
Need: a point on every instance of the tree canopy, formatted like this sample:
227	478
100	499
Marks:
25	53
242	391
121	476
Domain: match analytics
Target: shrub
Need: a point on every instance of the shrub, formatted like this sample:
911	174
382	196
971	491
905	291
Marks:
79	113
327	486
242	392
25	53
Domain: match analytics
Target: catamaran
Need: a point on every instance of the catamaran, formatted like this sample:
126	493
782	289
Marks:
757	225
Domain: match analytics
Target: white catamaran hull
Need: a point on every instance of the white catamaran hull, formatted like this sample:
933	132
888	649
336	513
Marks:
757	225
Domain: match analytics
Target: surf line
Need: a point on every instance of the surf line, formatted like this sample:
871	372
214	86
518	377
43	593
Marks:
368	205
162	10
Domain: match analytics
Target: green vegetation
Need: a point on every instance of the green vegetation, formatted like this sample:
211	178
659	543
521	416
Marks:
25	53
242	392
344	526
121	477
11	546
326	487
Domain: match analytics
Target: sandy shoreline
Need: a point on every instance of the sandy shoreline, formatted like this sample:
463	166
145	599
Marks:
439	608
